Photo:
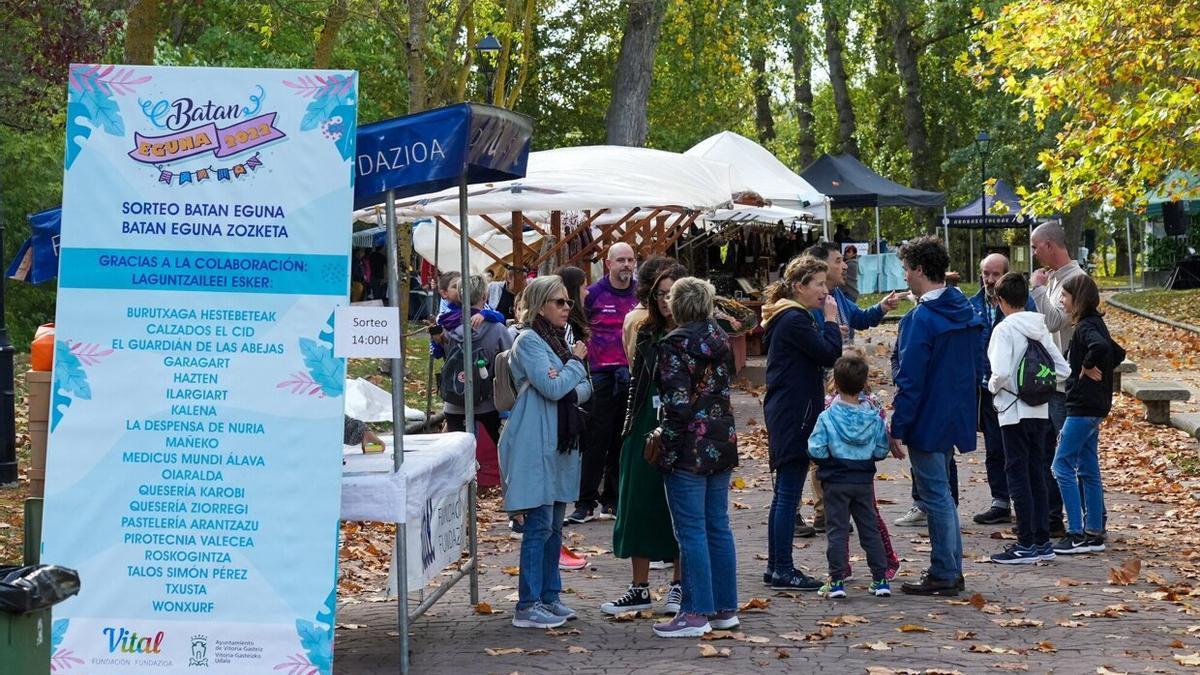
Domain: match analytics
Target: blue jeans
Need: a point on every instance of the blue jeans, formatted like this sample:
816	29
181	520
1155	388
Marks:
932	471
700	516
1077	462
541	542
1054	502
781	522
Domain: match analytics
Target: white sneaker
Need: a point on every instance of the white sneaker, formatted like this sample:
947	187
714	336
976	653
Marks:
661	564
914	518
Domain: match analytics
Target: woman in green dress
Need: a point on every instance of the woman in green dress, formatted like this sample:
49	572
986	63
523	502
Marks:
643	531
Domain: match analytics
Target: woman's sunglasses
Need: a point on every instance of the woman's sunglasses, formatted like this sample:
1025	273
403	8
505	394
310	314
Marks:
563	302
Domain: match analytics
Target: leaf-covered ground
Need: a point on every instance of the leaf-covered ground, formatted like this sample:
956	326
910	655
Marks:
1182	306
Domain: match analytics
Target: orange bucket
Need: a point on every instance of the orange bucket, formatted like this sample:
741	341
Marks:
41	352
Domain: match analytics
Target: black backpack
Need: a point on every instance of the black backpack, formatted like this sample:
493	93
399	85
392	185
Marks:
452	383
1036	379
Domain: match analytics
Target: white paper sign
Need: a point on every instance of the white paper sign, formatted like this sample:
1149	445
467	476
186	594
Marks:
367	332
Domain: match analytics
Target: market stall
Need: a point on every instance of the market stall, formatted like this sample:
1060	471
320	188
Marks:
474	144
1001	209
572	204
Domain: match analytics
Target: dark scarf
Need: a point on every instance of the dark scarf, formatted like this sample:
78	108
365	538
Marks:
572	420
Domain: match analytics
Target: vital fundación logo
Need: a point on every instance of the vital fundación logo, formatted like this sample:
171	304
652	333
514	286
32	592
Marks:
193	132
128	642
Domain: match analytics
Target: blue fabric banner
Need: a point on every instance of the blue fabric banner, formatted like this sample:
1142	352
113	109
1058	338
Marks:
37	259
432	150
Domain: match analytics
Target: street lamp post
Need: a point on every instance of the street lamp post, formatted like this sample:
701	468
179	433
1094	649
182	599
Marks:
8	424
487	49
983	143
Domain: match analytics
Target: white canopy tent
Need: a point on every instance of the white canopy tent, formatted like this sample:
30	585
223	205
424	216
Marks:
630	183
762	172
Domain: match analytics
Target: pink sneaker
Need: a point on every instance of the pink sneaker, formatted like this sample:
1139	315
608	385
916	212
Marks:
567	560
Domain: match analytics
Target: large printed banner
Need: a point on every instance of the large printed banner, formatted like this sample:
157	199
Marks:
194	460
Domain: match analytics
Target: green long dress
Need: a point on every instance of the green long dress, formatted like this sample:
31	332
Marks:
643	528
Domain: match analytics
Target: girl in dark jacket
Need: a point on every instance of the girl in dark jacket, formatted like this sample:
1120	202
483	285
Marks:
797	350
693	376
1092	355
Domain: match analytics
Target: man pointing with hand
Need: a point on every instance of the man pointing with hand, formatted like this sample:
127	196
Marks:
849	316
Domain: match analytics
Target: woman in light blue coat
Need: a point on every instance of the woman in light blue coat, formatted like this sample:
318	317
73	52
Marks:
539	447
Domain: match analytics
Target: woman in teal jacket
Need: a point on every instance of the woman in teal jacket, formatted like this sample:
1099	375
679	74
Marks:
539	458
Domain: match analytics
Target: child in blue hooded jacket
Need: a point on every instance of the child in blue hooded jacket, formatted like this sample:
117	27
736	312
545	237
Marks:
849	438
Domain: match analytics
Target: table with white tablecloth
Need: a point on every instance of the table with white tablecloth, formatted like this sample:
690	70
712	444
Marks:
428	494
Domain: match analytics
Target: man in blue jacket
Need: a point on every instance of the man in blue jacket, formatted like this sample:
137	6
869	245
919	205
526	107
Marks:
934	367
986	308
850	317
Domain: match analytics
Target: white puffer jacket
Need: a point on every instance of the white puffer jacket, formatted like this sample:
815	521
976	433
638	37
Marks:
1009	340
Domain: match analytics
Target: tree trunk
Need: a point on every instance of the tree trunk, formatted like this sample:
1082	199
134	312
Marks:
625	122
1072	223
418	95
141	32
799	43
764	123
914	109
339	10
837	79
527	54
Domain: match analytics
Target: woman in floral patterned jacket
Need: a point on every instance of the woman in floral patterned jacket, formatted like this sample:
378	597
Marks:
695	368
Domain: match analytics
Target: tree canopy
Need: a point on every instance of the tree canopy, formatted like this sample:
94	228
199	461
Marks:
1087	101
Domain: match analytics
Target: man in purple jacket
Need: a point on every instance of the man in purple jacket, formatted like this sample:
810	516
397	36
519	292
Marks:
607	302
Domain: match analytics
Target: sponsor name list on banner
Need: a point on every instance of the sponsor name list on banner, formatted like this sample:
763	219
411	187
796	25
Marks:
194	462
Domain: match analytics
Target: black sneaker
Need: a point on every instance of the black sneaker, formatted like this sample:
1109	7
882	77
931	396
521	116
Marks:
1073	543
803	529
580	515
1096	541
931	586
607	512
766	578
635	599
1017	555
993	516
796	581
819	524
962	583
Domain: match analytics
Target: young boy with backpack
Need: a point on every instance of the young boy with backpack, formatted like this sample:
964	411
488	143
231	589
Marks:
849	438
1026	368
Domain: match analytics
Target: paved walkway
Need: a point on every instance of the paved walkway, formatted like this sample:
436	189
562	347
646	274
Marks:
1062	616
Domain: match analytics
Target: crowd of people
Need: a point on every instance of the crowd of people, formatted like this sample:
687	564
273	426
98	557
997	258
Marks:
622	411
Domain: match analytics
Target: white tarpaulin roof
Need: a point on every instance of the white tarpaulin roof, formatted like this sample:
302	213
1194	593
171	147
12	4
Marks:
570	180
589	177
759	170
755	214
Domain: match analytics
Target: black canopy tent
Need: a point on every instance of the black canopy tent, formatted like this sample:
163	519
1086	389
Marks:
996	211
999	210
850	184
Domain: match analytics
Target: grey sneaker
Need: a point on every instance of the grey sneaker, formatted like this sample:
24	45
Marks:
557	608
674	599
536	615
914	518
683	625
727	620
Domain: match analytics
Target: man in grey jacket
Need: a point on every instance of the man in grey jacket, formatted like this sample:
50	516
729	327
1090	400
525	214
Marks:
1049	241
